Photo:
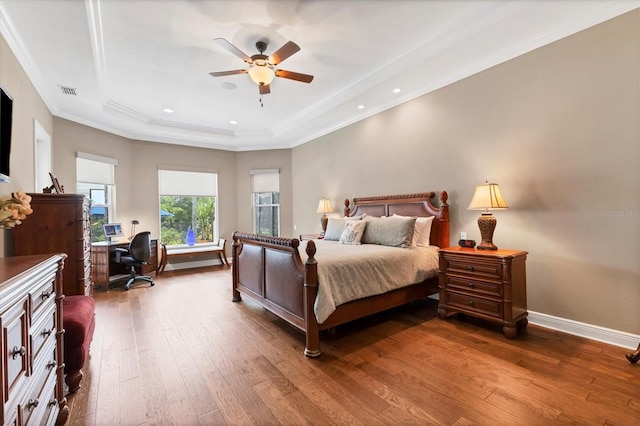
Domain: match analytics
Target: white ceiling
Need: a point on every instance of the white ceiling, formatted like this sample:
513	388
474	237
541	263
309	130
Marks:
128	60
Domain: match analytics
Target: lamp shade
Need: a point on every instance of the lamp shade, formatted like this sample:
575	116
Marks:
487	197
261	74
324	206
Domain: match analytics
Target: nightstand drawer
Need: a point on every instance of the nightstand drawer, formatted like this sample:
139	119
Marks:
473	267
475	287
468	303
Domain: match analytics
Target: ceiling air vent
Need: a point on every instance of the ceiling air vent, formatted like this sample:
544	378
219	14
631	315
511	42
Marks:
68	91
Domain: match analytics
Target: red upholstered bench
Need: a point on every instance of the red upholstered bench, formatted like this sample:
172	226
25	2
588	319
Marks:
78	320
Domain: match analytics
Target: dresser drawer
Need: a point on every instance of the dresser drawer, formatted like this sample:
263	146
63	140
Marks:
490	269
478	305
41	294
42	332
474	287
52	408
38	401
15	323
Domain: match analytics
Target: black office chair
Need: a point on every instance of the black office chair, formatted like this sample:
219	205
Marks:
137	255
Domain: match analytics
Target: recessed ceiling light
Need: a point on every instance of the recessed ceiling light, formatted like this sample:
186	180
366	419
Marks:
233	122
228	85
396	90
168	110
360	106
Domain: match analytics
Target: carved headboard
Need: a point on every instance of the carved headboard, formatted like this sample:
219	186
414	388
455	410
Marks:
419	205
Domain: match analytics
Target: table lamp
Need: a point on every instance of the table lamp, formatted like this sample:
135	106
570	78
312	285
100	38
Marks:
134	222
324	207
487	197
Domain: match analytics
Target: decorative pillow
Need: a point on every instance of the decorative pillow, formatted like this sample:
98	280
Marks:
390	231
422	231
335	226
353	231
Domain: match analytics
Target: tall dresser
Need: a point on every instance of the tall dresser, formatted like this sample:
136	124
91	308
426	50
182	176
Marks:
31	325
60	223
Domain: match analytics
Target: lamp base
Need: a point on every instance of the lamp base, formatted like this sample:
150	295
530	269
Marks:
486	246
487	224
324	220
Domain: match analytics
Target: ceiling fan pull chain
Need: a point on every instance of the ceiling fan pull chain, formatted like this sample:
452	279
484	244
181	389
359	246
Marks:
261	104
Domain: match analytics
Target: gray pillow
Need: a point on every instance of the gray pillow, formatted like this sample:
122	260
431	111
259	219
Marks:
335	228
389	231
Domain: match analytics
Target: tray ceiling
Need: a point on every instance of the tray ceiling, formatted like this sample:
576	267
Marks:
117	65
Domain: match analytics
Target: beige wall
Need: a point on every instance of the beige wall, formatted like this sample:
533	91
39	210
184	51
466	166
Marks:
137	175
557	128
137	172
27	107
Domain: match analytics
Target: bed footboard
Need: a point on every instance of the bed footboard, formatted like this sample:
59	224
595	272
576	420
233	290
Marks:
269	271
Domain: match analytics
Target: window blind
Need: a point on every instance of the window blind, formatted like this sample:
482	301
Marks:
187	184
95	169
265	180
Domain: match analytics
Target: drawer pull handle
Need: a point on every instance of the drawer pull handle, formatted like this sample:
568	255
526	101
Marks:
46	294
51	364
18	351
47	332
33	403
471	285
471	303
470	268
52	403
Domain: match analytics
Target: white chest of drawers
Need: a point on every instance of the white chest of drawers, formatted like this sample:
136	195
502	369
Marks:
32	391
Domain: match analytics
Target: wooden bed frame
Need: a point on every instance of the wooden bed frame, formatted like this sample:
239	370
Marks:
269	270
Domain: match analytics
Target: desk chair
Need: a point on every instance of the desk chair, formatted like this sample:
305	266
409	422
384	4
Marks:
137	255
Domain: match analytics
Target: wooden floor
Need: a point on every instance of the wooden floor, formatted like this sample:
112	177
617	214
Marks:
182	353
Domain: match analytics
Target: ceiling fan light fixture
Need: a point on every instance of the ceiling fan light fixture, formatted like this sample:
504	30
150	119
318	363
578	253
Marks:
261	75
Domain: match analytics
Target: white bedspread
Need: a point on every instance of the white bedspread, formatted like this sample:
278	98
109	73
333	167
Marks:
350	272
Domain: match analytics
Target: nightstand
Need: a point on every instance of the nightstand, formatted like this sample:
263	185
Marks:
488	284
311	237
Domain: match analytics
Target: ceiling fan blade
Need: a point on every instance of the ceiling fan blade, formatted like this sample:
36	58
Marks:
264	89
231	48
223	73
284	52
305	78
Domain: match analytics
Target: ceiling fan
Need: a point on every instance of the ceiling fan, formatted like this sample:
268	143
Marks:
261	67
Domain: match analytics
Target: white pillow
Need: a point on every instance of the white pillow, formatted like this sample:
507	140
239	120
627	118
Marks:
422	231
353	231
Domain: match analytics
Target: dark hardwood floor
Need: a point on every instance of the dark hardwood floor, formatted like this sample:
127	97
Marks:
182	353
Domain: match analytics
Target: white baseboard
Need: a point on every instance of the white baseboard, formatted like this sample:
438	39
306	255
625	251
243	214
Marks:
589	331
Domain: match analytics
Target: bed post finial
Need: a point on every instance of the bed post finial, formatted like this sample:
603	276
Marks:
444	207
347	210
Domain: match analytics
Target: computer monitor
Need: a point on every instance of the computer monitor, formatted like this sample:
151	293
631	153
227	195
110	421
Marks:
112	230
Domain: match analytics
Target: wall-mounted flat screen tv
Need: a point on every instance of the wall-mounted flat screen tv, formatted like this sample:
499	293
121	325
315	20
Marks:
6	120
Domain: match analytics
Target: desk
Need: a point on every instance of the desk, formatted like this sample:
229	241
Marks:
104	269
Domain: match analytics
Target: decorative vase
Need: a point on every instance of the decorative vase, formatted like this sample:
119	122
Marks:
191	237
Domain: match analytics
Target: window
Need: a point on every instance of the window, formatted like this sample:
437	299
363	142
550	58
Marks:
188	200
95	180
265	193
